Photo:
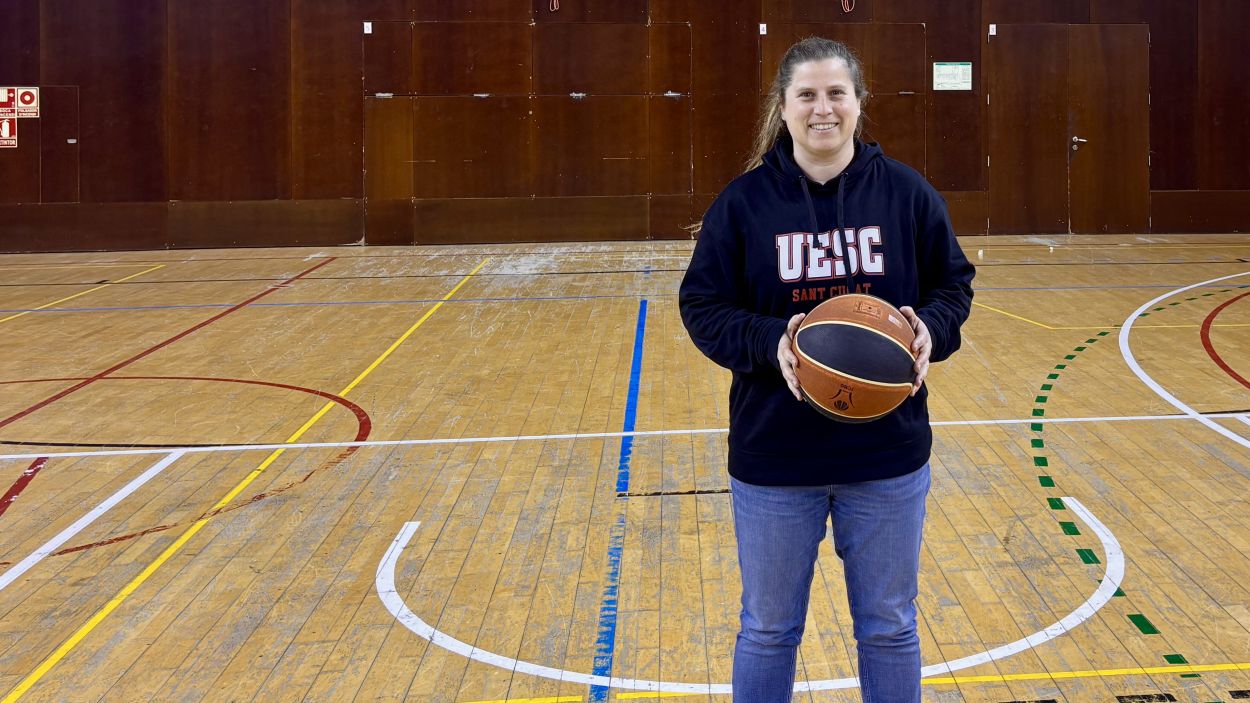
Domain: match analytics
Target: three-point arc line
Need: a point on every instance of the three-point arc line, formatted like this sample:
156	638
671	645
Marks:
384	581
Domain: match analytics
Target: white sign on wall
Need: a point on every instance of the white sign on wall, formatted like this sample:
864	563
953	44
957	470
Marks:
952	75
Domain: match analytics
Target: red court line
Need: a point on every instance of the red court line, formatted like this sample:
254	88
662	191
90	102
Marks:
1206	340
146	352
20	485
364	428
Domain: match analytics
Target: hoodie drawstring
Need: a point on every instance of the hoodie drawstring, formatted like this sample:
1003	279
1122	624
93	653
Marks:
840	241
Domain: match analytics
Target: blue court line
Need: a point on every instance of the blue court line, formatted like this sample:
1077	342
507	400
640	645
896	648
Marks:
605	644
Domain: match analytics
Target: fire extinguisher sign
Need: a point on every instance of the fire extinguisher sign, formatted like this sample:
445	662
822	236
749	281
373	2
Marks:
8	102
8	132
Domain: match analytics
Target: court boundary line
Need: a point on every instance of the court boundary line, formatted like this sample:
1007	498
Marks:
574	436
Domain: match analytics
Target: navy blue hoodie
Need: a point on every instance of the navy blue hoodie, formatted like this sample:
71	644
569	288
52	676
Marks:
757	263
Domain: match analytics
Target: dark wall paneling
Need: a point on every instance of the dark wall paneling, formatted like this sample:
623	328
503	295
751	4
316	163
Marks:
618	11
1037	11
469	147
591	146
723	128
386	10
229	115
388	57
388	148
599	59
969	211
462	58
668	63
1223	95
668	145
1184	211
953	28
327	117
58	144
389	223
896	59
816	11
114	51
669	10
19	43
1173	79
270	223
19	168
668	216
82	227
897	122
954	156
463	220
472	11
723	46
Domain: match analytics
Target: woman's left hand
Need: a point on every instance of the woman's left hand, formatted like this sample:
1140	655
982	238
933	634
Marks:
922	347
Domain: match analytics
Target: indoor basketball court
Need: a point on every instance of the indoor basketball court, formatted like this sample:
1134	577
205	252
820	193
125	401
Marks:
373	386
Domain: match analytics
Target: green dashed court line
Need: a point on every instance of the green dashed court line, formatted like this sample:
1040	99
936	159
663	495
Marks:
1088	556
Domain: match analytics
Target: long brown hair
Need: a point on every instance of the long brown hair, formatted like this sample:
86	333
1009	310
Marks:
769	125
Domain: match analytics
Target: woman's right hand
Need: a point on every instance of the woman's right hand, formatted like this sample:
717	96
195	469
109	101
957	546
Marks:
785	355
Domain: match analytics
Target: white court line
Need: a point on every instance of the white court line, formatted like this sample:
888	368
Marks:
384	581
1127	353
545	437
81	523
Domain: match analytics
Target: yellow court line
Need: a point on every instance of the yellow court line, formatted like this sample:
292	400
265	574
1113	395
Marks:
938	681
42	267
77	295
191	531
1103	327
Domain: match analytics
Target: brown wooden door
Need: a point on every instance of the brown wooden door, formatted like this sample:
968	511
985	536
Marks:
1051	84
1108	85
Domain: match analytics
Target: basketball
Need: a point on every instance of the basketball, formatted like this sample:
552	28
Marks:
854	358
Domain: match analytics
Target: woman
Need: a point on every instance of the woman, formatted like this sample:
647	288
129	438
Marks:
819	213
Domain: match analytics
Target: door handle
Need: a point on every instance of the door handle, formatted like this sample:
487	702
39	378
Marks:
1078	140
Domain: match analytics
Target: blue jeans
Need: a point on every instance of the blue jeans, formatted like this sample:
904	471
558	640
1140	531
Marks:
877	527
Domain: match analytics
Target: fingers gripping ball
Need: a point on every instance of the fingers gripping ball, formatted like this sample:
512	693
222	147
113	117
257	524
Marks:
854	358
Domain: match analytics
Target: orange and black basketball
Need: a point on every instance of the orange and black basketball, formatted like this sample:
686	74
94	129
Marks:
854	358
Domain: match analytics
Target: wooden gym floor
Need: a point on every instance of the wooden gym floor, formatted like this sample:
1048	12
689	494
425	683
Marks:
497	473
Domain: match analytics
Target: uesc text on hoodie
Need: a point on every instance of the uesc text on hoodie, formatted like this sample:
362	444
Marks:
775	244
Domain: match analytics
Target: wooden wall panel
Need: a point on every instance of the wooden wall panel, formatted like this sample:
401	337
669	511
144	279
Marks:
668	145
1180	211
327	117
114	51
388	148
83	227
598	59
229	99
1223	113
669	10
789	11
616	11
955	156
773	46
388	57
579	156
723	47
19	168
1173	78
468	147
668	216
202	225
19	43
462	58
58	144
969	211
389	223
723	126
897	122
463	221
1037	11
896	59
473	10
668	65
